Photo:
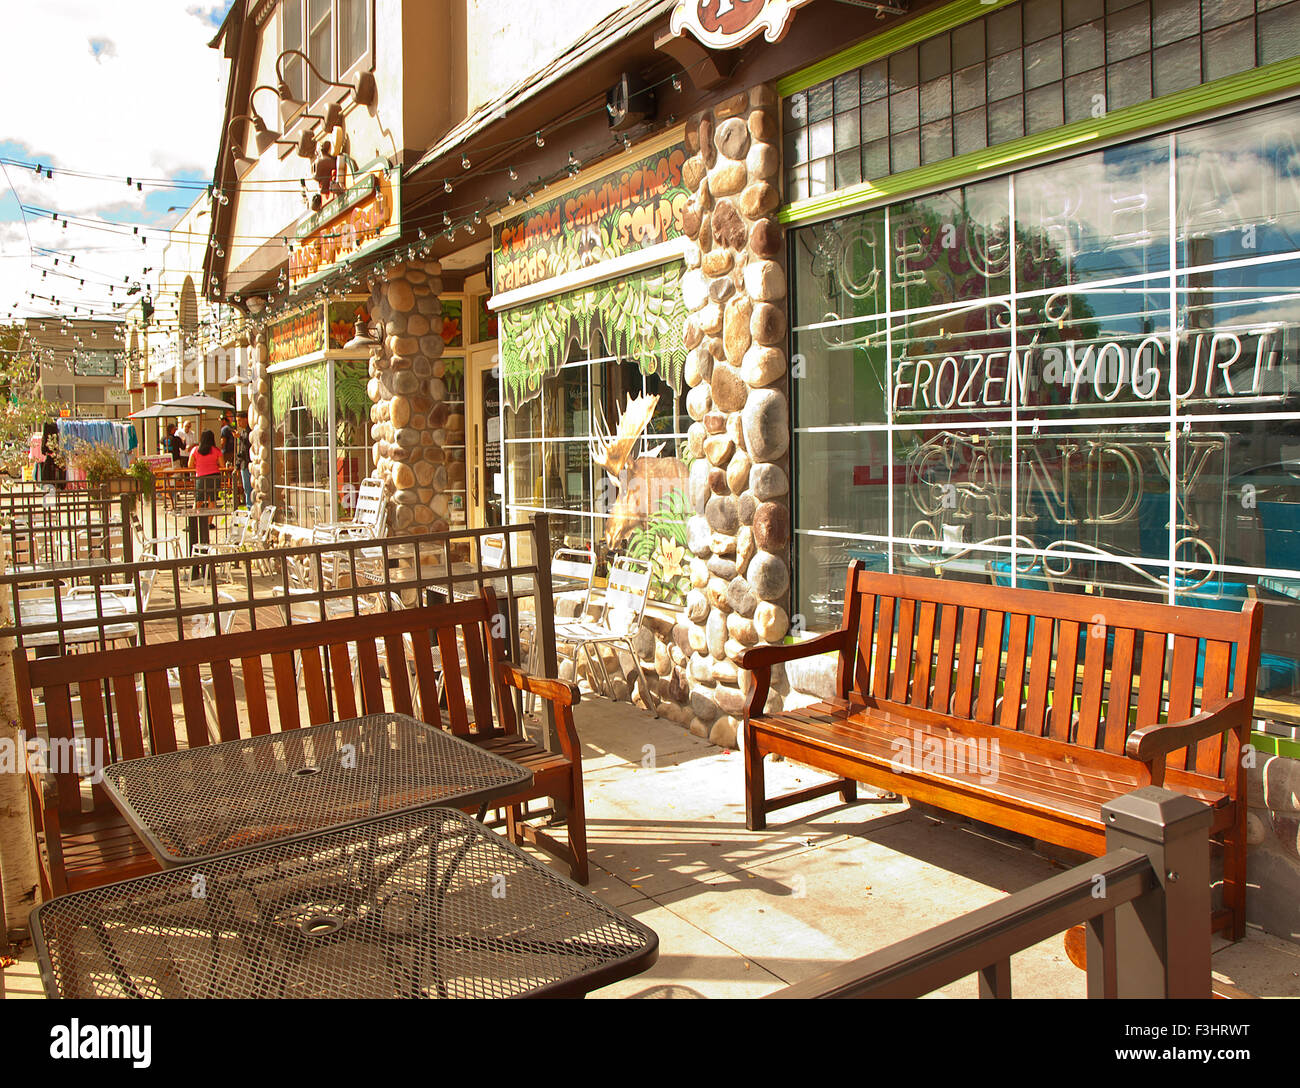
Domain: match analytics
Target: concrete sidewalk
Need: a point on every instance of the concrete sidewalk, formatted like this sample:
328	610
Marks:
742	914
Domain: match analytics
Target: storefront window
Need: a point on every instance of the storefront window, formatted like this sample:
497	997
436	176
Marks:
1022	69
1083	377
315	474
633	502
302	484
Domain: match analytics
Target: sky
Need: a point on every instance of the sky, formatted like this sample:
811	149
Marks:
122	89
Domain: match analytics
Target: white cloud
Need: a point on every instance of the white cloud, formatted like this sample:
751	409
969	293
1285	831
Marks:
127	90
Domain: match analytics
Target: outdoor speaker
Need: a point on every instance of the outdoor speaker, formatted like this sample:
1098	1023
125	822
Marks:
629	102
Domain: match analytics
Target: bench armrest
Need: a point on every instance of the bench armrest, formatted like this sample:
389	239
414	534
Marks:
1152	743
560	692
760	659
764	657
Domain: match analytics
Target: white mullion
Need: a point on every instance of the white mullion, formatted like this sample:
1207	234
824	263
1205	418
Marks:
1173	367
1013	361
889	399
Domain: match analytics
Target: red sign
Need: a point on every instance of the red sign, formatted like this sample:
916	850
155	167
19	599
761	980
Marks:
725	24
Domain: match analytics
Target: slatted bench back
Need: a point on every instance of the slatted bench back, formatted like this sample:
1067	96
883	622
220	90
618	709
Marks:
1077	669
151	698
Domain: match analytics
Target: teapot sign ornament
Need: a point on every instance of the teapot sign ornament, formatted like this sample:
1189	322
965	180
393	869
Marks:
726	24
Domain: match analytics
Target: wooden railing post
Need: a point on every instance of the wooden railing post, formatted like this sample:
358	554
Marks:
18	861
545	612
1161	939
126	507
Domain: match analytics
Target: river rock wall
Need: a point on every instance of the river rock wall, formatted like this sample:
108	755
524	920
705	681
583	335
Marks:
410	415
739	490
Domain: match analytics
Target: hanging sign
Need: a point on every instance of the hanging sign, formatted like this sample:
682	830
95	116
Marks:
354	222
726	24
639	205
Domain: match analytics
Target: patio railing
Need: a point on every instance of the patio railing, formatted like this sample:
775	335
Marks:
1145	905
273	586
64	527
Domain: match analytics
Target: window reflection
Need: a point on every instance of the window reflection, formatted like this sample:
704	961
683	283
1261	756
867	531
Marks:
1100	400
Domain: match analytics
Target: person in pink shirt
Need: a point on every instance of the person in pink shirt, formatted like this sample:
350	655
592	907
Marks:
205	459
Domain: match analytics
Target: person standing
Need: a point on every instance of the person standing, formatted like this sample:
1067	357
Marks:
205	459
228	439
188	441
243	458
172	444
48	469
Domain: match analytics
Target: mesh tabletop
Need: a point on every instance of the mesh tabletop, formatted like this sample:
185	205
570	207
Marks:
422	904
201	802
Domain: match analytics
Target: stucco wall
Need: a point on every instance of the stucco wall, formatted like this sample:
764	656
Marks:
509	40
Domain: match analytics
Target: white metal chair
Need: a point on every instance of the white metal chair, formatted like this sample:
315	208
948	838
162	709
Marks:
303	582
369	516
258	535
160	546
626	594
123	591
235	538
576	565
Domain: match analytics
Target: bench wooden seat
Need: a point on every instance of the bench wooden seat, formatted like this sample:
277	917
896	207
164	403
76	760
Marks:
1069	700
278	679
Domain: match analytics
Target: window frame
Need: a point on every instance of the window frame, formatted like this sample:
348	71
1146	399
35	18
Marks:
364	62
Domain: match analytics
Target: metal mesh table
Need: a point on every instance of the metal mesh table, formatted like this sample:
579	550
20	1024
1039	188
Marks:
423	904
202	802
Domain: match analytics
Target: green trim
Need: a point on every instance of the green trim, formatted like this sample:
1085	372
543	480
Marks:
888	41
1267	744
1231	90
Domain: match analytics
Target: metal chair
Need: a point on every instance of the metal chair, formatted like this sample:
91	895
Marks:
169	546
626	595
369	516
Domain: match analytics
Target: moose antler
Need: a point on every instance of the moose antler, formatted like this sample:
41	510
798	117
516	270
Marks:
613	452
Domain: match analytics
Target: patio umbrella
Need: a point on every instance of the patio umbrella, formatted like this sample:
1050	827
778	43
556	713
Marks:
192	403
153	412
189	405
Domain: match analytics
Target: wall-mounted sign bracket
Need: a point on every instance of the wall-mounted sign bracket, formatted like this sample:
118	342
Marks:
707	68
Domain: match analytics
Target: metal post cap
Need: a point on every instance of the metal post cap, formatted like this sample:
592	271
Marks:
1149	808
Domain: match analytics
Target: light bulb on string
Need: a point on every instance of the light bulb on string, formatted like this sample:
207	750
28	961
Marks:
540	141
513	175
446	185
464	161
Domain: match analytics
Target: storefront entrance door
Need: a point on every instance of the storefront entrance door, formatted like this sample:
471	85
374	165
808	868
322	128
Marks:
486	480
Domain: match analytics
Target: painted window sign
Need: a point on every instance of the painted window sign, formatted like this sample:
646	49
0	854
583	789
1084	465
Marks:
1082	376
640	315
297	335
453	322
487	320
725	24
638	206
343	315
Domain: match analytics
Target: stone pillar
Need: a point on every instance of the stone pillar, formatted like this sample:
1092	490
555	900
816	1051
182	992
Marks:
259	421
410	418
735	291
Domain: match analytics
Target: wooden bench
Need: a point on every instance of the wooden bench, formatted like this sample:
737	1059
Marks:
150	699
1076	699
